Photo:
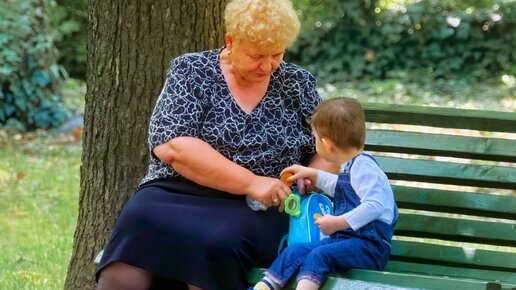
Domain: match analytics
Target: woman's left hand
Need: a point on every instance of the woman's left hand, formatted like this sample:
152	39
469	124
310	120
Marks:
329	224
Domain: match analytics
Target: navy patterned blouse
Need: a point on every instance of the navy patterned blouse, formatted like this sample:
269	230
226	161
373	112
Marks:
196	102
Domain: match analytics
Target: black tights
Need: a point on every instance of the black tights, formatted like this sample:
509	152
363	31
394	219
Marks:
121	276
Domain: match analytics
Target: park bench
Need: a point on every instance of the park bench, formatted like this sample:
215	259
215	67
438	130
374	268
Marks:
457	223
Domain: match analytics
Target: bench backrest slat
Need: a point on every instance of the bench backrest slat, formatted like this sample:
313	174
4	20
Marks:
474	231
448	172
441	117
472	203
466	256
454	146
444	222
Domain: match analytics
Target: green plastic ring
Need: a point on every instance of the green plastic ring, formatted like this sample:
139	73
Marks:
293	205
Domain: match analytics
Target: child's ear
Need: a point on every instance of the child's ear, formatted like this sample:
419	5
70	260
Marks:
327	144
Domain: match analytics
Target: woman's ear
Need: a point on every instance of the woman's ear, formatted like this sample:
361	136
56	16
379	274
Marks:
229	41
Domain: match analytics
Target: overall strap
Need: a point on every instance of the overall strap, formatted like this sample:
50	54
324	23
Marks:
395	219
370	156
348	167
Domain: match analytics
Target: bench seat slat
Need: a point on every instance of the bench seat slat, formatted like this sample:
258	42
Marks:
441	145
379	280
418	280
441	117
448	172
434	198
457	255
487	232
399	266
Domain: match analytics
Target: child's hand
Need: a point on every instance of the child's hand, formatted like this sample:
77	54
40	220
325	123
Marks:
329	224
301	173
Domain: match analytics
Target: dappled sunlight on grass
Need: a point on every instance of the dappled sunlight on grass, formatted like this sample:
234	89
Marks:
493	94
39	205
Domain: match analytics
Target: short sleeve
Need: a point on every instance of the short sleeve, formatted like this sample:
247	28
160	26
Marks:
310	99
178	110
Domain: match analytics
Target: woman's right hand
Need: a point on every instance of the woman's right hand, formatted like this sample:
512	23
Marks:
269	191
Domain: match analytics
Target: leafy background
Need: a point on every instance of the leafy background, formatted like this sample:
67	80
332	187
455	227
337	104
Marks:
433	38
356	46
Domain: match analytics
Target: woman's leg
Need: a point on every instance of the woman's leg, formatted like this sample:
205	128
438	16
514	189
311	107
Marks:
121	276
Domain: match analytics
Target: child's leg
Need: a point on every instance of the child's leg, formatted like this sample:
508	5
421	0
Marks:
339	256
307	285
286	265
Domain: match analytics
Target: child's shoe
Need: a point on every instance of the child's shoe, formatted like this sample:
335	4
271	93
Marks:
262	285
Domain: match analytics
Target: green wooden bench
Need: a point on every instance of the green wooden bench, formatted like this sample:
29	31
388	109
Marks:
457	224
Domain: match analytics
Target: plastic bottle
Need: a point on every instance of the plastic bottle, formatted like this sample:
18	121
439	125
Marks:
254	204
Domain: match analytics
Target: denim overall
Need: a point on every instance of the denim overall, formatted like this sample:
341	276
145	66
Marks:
367	248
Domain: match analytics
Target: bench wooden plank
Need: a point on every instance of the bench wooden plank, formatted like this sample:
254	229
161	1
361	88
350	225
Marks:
441	117
386	280
495	260
422	268
448	172
486	232
415	262
456	201
441	145
419	280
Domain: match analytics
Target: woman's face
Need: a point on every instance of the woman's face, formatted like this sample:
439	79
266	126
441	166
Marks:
253	62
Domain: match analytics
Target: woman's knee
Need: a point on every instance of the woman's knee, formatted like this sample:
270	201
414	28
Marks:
119	275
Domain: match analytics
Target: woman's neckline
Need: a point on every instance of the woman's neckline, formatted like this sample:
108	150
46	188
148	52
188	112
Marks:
258	106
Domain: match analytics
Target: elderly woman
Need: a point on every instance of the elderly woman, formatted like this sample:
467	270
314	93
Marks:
225	125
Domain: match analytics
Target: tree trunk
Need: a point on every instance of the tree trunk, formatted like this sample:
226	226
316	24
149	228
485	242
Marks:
130	45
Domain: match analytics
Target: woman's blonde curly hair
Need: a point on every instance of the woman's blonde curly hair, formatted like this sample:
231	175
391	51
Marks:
264	22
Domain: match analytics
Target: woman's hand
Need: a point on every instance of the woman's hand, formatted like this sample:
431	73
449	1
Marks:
329	224
269	191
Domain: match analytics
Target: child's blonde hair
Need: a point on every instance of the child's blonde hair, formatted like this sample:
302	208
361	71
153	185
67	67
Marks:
264	22
341	120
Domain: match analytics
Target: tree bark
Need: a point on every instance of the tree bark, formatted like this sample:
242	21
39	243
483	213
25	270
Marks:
130	45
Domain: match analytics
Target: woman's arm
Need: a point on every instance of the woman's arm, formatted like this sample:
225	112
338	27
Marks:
199	162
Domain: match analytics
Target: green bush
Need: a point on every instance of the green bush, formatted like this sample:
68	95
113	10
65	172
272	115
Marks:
432	38
69	20
28	72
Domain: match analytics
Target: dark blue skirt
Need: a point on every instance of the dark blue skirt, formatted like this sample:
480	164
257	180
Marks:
186	233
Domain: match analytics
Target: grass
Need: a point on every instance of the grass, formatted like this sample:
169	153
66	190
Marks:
39	188
497	94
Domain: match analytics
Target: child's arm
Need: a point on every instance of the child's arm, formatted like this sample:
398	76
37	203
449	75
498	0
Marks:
372	186
326	182
328	224
300	172
323	180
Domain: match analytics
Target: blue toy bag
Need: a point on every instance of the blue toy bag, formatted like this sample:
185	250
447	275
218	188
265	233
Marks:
302	228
